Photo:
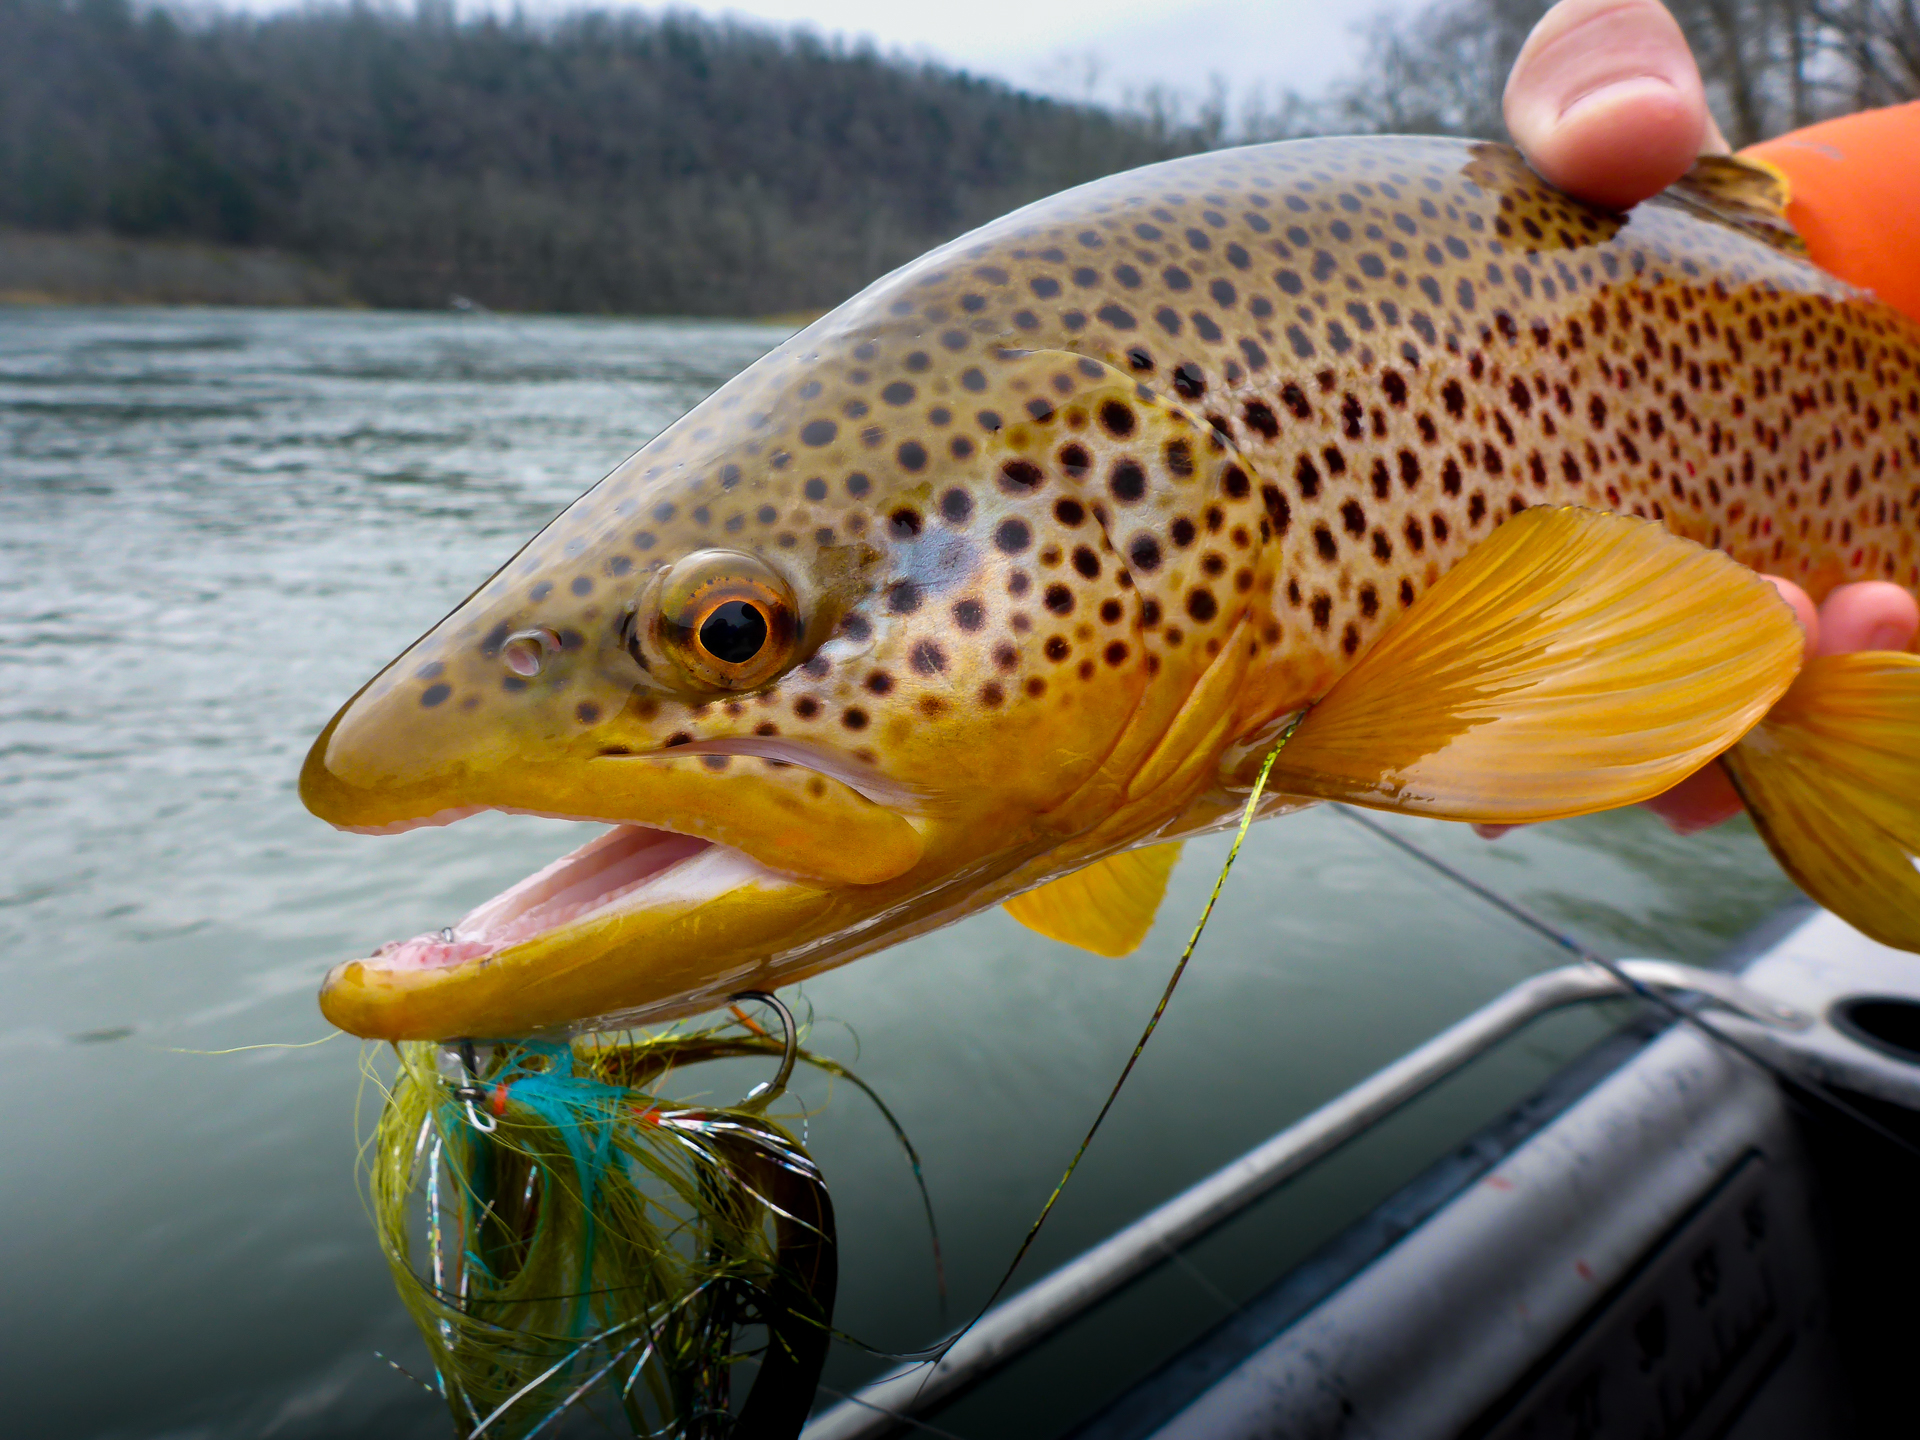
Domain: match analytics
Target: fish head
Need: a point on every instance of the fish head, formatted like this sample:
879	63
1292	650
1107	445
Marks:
829	672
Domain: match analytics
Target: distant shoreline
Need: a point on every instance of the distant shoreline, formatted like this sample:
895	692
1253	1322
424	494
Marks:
38	268
42	269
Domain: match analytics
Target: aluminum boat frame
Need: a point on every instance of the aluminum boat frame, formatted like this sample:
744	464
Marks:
1701	1228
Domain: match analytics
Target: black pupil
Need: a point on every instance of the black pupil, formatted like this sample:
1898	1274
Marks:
734	633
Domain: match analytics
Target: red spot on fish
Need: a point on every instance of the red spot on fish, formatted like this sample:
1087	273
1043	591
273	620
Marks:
1499	1182
1582	1269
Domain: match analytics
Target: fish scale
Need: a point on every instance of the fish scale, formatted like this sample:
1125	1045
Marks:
1214	423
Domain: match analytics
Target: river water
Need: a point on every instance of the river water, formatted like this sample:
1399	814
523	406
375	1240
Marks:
213	526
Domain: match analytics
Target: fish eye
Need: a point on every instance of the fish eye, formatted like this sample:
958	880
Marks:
724	620
734	632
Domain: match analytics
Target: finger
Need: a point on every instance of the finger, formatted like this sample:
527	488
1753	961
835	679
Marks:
1870	615
1703	799
1606	101
1804	610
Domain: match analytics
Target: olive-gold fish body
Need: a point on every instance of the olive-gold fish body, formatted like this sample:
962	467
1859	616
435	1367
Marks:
1002	566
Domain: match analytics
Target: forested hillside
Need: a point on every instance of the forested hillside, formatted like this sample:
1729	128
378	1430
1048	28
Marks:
634	162
597	162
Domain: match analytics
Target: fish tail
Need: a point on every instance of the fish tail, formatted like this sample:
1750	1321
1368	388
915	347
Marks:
1832	778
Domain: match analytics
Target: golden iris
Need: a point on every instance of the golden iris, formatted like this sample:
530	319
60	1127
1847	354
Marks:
725	620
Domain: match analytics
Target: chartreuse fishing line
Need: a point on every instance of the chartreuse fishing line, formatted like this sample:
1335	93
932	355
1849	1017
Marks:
567	1236
1247	814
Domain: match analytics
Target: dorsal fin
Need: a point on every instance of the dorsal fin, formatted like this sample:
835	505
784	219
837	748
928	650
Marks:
1750	195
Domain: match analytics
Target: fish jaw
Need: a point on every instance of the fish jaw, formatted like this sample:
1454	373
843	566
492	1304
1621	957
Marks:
632	921
792	819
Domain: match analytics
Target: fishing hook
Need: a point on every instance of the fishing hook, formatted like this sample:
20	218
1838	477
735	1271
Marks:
767	1091
471	1091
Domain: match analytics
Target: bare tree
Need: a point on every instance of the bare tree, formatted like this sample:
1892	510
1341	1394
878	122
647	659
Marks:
1769	65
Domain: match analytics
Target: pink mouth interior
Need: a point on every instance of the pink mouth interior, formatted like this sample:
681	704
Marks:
598	875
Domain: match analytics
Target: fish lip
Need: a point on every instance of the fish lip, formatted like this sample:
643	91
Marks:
449	816
867	780
608	875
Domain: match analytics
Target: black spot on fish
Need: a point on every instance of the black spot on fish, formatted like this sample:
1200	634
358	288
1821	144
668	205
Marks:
1020	477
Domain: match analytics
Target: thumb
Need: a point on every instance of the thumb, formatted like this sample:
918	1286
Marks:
1606	102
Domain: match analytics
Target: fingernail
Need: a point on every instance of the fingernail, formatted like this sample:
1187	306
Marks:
1618	85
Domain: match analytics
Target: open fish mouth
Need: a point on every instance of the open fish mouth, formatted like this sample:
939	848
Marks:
724	857
638	922
625	868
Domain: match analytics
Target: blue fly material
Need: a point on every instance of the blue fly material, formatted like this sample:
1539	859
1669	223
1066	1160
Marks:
583	1112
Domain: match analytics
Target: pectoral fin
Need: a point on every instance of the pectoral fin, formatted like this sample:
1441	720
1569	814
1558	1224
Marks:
1574	661
1106	908
1832	776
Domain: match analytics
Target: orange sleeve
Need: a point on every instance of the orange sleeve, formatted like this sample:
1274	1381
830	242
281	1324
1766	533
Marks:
1856	197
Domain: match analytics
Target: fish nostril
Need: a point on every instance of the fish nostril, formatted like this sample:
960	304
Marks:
526	651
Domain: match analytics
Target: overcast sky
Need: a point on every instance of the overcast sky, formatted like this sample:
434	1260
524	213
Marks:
1100	50
1059	45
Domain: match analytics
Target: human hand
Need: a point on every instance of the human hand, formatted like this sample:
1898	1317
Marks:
1606	102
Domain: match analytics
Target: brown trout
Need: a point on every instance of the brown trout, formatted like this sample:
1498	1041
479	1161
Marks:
1004	576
